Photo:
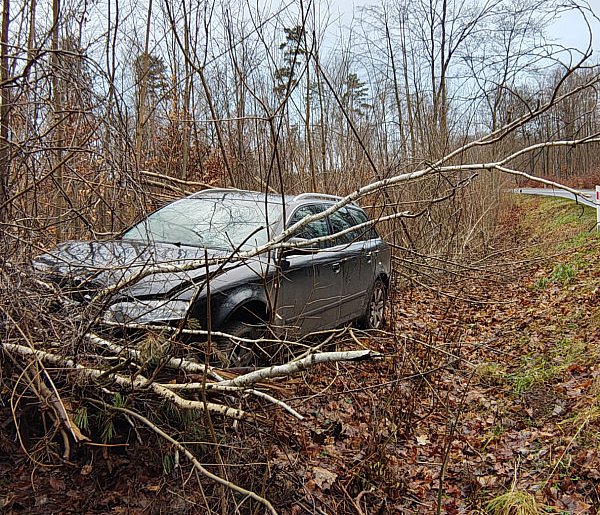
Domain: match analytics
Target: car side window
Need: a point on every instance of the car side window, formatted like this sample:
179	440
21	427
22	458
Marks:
314	229
365	233
341	220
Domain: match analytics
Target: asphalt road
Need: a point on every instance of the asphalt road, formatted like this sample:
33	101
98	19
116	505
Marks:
588	201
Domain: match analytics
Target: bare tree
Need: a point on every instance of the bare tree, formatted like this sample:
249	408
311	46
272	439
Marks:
5	157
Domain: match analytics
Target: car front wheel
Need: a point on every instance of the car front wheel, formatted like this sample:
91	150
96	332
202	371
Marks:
234	352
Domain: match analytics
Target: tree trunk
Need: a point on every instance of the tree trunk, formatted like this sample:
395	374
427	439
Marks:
140	121
57	136
4	111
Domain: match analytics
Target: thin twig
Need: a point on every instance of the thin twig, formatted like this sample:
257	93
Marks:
193	459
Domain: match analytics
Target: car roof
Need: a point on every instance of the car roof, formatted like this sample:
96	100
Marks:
260	196
257	196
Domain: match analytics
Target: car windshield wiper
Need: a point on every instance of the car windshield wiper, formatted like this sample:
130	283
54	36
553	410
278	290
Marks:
179	244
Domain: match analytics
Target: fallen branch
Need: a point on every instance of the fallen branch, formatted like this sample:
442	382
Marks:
194	368
228	388
175	363
51	396
139	382
300	366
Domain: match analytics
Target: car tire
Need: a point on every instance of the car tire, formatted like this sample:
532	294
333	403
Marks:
374	315
235	353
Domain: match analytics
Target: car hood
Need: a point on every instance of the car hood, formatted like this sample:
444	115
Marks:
88	266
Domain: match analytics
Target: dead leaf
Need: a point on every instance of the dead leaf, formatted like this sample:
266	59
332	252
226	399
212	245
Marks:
57	484
323	478
422	440
487	481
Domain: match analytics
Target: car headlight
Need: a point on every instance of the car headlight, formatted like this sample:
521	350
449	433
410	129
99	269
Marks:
146	311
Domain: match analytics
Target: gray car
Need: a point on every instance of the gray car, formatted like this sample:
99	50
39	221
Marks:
294	291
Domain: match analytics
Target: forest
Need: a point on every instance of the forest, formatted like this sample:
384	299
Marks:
429	114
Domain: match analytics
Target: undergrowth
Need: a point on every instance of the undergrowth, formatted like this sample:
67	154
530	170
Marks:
487	400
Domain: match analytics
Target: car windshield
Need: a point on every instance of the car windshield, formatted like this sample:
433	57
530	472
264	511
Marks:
213	222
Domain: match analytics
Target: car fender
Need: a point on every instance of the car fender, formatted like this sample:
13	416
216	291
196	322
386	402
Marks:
235	299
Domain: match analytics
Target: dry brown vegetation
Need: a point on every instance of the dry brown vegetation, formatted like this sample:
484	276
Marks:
486	397
482	395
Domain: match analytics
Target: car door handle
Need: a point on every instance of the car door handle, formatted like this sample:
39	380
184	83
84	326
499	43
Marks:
370	255
336	267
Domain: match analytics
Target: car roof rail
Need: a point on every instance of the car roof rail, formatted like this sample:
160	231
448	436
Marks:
213	190
301	196
323	196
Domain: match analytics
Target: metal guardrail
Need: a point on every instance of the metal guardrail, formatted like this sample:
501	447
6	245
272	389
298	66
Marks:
591	198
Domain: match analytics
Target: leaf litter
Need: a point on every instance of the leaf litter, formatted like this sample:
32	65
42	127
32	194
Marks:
489	387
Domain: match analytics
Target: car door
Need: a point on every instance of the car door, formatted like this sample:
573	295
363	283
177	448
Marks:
374	253
310	283
351	250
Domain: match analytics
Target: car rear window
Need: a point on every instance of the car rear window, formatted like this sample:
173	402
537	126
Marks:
340	221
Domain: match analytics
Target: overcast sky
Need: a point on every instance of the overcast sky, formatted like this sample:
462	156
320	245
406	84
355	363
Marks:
571	29
568	30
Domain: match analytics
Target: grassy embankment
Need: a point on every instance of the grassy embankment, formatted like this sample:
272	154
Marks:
545	378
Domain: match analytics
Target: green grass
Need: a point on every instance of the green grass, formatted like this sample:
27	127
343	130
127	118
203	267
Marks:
514	502
562	275
562	212
557	350
493	433
547	367
490	374
581	241
556	225
81	419
550	214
